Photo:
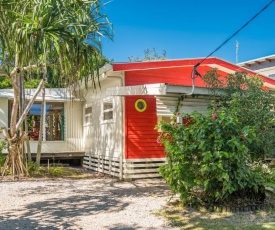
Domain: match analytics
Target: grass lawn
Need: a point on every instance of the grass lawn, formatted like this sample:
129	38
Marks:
201	219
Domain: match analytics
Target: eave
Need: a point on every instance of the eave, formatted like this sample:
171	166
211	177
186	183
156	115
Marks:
55	94
157	90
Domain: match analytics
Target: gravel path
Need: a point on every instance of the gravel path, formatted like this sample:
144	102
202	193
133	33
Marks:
83	204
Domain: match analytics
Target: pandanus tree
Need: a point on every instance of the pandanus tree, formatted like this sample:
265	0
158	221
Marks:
62	36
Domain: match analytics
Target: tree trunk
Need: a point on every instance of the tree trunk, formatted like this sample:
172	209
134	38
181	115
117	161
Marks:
42	121
14	162
27	142
28	107
21	107
14	159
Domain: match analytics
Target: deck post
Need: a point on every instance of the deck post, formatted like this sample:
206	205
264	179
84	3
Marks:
121	166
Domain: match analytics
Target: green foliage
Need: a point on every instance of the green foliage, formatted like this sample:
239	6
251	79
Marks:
5	83
2	160
3	145
149	55
55	39
62	35
56	171
33	83
29	83
33	170
216	156
209	159
254	105
269	175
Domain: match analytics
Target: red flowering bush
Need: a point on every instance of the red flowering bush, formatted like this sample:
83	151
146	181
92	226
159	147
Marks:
214	157
209	159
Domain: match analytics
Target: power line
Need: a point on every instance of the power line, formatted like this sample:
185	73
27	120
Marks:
235	33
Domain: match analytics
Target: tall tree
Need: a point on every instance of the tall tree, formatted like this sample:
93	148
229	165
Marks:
38	35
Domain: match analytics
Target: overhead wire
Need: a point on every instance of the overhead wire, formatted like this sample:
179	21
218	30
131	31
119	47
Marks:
256	15
195	73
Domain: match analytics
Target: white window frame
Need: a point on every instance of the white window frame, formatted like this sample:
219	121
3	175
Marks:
87	115
107	100
45	125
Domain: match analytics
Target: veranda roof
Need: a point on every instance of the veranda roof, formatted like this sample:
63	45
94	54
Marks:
55	94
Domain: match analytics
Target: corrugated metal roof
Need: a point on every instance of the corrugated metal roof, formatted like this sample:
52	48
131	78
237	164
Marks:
56	94
258	60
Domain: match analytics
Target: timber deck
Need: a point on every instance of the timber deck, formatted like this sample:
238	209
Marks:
61	155
67	155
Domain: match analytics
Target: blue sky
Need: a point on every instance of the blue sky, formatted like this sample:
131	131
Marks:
189	28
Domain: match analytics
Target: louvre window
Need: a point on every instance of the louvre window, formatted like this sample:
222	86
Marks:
108	111
88	115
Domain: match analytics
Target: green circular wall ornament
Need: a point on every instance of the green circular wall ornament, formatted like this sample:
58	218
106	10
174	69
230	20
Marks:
140	105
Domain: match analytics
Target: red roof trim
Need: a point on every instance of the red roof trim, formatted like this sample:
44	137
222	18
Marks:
134	66
170	63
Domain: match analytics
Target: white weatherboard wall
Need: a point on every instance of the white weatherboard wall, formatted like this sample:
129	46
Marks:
74	125
73	138
166	105
104	140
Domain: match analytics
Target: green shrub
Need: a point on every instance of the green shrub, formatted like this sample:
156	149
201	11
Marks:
3	145
269	175
2	157
33	170
2	160
209	159
216	156
56	171
254	104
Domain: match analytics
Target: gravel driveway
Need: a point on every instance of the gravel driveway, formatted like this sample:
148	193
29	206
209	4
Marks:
83	204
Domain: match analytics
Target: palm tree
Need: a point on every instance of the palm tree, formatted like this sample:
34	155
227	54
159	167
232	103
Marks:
36	35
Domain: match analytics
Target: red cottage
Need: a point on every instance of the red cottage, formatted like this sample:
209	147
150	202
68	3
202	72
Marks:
119	120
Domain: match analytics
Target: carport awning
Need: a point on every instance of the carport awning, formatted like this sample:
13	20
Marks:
156	89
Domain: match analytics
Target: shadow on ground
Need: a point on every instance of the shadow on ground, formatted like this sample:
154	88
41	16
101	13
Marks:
73	200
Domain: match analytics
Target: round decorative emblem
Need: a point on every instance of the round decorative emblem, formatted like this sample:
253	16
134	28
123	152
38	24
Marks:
140	105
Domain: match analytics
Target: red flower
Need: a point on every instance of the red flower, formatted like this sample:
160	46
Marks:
214	116
176	126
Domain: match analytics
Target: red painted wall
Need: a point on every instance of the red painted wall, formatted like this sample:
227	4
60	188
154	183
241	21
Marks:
140	135
178	75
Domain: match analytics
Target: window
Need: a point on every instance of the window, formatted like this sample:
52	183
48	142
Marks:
108	111
88	115
54	121
140	105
